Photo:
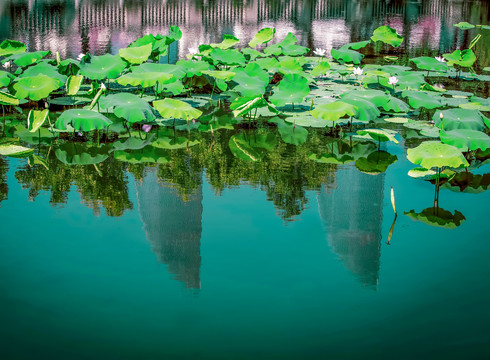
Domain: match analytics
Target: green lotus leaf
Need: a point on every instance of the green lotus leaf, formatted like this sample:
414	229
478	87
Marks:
397	120
102	67
159	44
252	147
69	67
216	121
36	119
144	79
347	56
287	47
45	69
252	53
333	111
36	87
251	80
418	99
26	59
379	135
465	139
243	105
73	84
434	154
321	68
176	109
468	183
396	69
82	120
220	74
11	47
15	150
228	42
292	89
290	134
148	154
428	174
82	154
175	87
357	45
137	54
394	104
464	58
288	65
174	70
266	63
129	107
475	106
463	25
453	119
173	143
133	143
435	216
365	109
263	36
5	78
227	57
375	163
192	68
7	99
387	35
429	64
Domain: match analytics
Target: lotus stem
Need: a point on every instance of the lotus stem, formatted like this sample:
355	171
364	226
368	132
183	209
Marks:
311	106
3	112
212	92
212	131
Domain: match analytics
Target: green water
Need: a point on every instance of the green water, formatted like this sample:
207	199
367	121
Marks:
243	282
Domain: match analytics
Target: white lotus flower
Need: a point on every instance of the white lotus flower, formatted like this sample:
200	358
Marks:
193	51
7	64
357	71
393	80
102	86
440	59
320	52
80	56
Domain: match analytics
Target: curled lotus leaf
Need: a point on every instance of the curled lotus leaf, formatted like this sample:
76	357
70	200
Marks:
16	151
463	25
436	216
82	120
466	139
463	58
7	99
136	54
227	57
129	107
102	67
262	36
334	111
429	174
379	135
243	105
5	78
176	109
36	87
435	154
228	42
252	53
36	119
387	35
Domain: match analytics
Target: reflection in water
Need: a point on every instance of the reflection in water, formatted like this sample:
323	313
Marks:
4	189
74	26
352	217
173	228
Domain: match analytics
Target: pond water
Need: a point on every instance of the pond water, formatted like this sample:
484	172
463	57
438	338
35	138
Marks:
209	256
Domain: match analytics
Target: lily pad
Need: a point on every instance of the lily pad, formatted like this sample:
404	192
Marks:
176	109
453	119
102	67
434	154
128	107
82	120
36	87
292	89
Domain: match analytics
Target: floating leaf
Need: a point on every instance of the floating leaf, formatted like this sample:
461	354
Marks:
175	70
82	154
459	119
378	135
428	174
418	99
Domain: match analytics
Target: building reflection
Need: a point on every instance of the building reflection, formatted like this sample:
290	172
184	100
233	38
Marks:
352	216
74	26
172	227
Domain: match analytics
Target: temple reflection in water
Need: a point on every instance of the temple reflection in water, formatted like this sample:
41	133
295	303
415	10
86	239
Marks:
172	227
74	26
352	215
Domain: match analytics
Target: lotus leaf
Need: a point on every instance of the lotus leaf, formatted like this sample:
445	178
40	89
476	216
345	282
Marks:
252	147
82	120
36	119
290	134
387	35
133	143
288	65
26	59
418	99
334	111
5	78
227	57
174	70
459	119
175	87
436	216
263	36
128	107
475	106
365	109
82	154
73	84
220	74
243	105
144	79
252	53
137	54
148	154
287	47
464	58
463	25
331	158
102	67
36	87
176	109
192	68
468	183
7	99
11	47
427	174
45	69
251	80
228	42
375	163
434	154
321	68
465	139
429	64
266	63
379	135
347	56
292	89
